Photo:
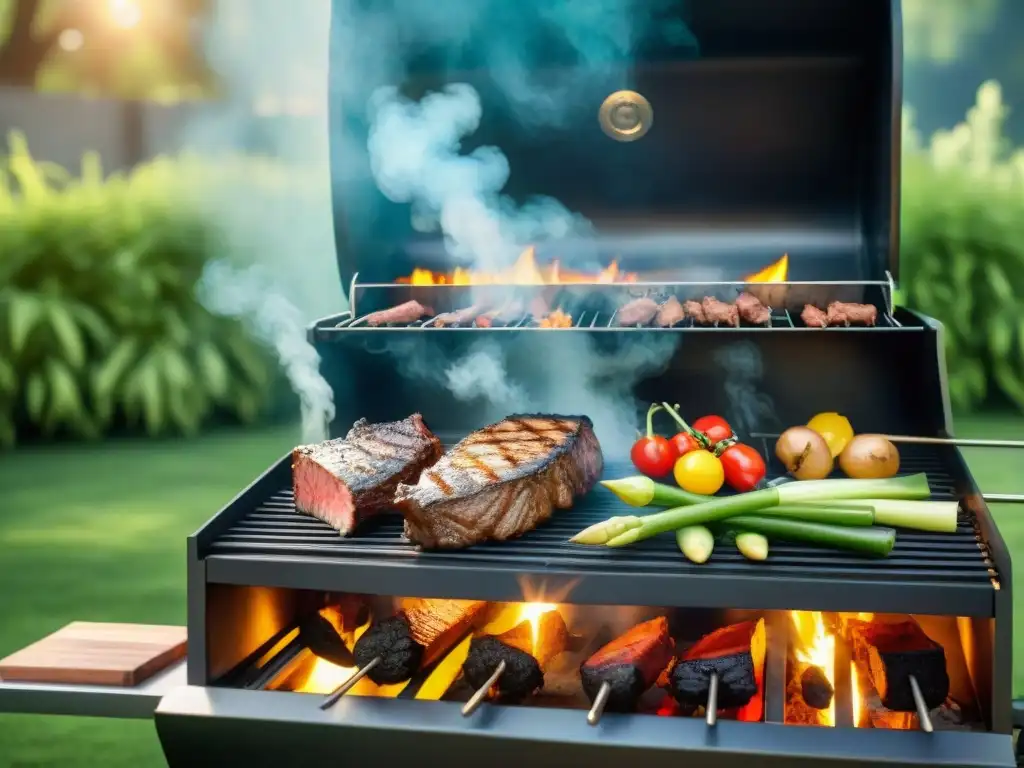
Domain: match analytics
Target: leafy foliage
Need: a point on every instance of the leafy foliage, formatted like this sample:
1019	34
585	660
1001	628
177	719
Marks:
100	327
962	254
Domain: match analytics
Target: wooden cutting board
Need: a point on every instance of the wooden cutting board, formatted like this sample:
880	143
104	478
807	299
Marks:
84	653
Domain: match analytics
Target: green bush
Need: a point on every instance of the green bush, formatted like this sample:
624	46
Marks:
100	327
962	253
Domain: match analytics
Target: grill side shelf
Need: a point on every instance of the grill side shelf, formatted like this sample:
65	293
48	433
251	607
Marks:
268	542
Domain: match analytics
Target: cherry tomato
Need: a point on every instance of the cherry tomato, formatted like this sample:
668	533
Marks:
683	443
654	456
716	428
699	472
743	466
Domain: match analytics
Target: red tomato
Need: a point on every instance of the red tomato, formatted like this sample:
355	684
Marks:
744	467
683	443
716	428
654	456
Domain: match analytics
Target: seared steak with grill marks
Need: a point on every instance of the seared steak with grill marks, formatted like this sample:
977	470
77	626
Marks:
637	312
670	313
752	310
695	311
502	481
344	481
409	312
846	313
814	317
719	312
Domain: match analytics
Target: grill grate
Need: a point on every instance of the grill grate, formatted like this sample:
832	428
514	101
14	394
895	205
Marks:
274	529
594	320
595	307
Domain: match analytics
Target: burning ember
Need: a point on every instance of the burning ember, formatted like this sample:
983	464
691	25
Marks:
557	319
814	676
525	271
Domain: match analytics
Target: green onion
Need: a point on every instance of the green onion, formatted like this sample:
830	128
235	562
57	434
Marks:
752	546
696	542
935	516
854	516
628	530
868	541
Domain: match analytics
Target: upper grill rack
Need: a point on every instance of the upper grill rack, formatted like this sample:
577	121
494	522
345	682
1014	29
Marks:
596	306
925	573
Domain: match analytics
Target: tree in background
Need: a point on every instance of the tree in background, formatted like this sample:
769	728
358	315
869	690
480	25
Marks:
126	48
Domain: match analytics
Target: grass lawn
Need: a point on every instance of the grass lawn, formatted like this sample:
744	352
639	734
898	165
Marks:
98	533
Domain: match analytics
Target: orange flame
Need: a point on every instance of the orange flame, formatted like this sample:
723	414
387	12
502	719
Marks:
817	646
778	272
858	706
525	271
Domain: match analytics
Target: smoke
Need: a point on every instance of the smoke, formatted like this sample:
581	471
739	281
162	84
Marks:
574	377
414	156
549	59
249	294
265	184
750	410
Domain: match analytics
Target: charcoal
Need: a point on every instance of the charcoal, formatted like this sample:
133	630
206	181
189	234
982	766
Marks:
891	653
390	640
815	688
521	678
626	681
630	664
320	636
690	681
735	653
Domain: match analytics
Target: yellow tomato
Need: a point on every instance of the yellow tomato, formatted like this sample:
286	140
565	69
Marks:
836	430
699	472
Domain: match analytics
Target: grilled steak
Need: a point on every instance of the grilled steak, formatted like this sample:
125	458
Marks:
752	310
464	316
408	312
637	312
510	312
845	313
719	312
345	480
695	311
670	313
814	317
502	481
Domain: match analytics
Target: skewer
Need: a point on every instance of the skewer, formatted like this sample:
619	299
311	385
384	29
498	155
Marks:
341	690
1002	498
478	697
712	707
958	442
923	717
594	715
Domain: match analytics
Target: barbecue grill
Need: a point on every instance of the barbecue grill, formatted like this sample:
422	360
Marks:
777	130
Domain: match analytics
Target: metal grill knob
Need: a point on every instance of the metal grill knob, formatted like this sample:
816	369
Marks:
626	116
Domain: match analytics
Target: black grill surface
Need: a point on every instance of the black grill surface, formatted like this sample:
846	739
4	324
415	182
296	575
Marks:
952	569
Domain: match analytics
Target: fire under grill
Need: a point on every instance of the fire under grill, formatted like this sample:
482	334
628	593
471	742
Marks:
805	667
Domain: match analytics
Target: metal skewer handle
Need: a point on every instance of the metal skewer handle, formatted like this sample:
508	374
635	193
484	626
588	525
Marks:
1000	498
481	693
349	684
711	714
600	701
924	719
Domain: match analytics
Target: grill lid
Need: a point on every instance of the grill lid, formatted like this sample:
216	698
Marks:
752	128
